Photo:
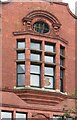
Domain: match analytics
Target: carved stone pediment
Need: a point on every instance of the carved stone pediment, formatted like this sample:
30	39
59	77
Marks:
44	16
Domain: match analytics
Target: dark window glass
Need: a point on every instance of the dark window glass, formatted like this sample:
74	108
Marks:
21	44
49	48
62	50
61	61
35	57
41	27
61	80
35	45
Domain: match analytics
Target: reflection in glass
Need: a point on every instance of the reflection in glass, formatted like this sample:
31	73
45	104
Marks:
49	59
49	48
21	68
21	80
35	57
49	71
35	46
48	82
21	56
34	80
21	45
22	116
35	69
6	115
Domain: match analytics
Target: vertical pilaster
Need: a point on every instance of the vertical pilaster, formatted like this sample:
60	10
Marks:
42	66
27	63
57	70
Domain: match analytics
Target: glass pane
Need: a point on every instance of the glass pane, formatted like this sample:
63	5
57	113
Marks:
61	74
21	45
35	57
35	46
61	85
21	80
49	48
48	82
34	80
21	56
20	115
49	59
61	62
62	51
41	27
20	68
49	71
6	115
35	69
57	118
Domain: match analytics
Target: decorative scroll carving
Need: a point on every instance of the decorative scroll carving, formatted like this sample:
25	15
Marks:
29	20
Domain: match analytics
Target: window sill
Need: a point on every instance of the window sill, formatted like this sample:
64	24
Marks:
40	89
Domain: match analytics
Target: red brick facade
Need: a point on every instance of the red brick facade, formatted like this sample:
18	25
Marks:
17	23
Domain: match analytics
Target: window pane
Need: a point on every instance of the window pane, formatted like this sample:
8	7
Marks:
35	46
49	71
57	118
35	69
61	85
21	68
35	57
49	48
61	62
20	115
21	44
49	59
21	56
62	51
21	80
34	80
48	82
61	74
6	115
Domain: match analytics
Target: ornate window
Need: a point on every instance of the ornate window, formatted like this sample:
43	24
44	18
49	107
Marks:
41	27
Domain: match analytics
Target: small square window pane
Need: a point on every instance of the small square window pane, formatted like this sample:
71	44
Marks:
48	82
49	59
20	68
6	115
61	74
21	45
62	51
34	80
35	69
49	71
49	48
35	57
21	80
20	115
35	46
21	56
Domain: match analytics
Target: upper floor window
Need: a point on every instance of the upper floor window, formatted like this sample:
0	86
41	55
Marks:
22	116
41	27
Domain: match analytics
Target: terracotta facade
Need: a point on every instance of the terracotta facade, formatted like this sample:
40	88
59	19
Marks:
18	19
